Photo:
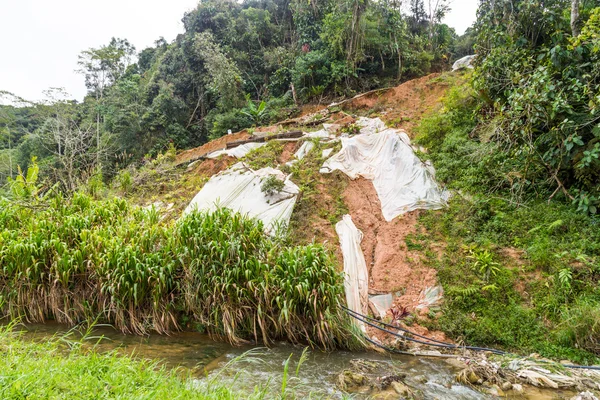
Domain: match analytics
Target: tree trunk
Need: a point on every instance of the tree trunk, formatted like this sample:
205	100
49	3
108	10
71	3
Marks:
10	164
575	17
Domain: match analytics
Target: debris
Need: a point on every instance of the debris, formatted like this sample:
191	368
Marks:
585	396
382	303
430	297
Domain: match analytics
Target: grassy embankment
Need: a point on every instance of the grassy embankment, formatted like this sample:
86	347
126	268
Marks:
64	369
82	259
519	272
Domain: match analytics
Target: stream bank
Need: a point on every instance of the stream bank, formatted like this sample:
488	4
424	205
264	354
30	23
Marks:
319	375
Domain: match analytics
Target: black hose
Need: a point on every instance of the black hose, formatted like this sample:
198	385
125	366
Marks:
442	345
437	343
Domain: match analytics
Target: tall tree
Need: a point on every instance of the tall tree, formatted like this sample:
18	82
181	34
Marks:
575	17
102	67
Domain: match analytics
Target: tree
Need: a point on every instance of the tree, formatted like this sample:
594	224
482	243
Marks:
7	121
224	78
72	147
102	67
575	17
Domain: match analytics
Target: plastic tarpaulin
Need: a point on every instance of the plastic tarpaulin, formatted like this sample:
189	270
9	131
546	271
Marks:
239	188
304	150
356	281
237	152
403	183
465	62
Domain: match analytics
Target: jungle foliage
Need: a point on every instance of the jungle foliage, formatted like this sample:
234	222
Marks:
522	275
237	64
540	107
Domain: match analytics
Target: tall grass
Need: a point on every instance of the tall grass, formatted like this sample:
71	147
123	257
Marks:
60	368
78	259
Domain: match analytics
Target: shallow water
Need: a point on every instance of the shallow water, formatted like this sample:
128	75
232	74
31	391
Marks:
264	367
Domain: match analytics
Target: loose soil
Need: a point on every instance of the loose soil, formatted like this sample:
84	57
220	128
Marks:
392	267
404	106
287	154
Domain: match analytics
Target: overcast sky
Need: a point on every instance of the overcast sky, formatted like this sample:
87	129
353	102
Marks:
40	39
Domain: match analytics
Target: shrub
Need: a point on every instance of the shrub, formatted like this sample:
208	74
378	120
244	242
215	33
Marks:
271	185
81	259
232	120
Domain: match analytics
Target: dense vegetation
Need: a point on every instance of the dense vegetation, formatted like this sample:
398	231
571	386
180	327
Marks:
80	259
236	65
540	107
519	144
521	264
519	276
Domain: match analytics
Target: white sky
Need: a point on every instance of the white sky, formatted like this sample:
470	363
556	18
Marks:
40	39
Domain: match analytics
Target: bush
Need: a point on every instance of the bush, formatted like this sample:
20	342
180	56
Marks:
271	185
232	120
581	326
516	269
81	259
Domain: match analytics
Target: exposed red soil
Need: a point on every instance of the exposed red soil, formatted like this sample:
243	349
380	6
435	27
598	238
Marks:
404	105
214	145
212	166
288	152
311	109
392	268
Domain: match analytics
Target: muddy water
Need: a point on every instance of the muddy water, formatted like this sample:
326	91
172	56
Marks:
264	367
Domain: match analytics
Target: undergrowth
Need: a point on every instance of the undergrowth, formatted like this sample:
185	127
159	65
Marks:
321	195
519	272
62	368
76	259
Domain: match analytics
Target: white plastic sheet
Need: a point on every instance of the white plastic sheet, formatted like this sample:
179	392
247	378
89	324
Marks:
326	153
322	134
430	297
239	188
370	125
304	150
356	282
237	152
465	62
403	183
382	303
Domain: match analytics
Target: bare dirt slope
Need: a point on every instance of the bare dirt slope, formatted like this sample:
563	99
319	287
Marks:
404	106
393	267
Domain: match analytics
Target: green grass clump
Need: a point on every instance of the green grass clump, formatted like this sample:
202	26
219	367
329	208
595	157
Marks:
238	281
519	272
264	156
81	259
50	370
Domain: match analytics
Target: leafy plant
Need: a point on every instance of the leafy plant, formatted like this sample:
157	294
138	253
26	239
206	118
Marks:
272	185
484	262
23	186
254	112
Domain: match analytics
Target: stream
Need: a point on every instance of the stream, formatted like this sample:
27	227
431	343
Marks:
263	367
